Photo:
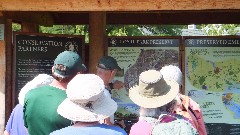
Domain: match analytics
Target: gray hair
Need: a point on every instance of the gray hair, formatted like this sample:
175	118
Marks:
156	112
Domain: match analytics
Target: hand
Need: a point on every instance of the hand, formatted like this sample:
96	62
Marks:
120	123
118	85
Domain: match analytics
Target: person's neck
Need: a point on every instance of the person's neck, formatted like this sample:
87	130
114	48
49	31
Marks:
60	85
85	124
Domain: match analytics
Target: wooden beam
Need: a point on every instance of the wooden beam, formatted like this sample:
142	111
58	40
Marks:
154	18
175	17
97	38
29	27
116	5
8	75
69	18
2	84
2	79
43	18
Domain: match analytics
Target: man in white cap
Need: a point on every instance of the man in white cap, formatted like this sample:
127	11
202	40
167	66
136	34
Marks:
40	104
85	105
187	107
157	99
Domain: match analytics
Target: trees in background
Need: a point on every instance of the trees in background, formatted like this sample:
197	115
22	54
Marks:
221	29
138	30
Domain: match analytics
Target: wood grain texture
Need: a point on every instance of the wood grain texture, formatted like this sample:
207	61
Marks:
2	85
8	74
44	18
116	5
97	36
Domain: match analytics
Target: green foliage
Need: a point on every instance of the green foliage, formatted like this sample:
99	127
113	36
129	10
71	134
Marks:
138	30
144	30
164	30
123	30
16	27
67	29
221	29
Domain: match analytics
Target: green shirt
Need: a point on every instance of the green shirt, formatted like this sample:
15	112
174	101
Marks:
40	110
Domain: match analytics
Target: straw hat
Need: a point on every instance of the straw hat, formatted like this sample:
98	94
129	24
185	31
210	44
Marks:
86	100
171	72
153	91
40	80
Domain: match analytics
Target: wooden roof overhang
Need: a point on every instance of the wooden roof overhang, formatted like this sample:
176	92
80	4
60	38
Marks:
153	18
71	12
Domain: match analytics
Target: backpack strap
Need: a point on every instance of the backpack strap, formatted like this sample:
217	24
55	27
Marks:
163	118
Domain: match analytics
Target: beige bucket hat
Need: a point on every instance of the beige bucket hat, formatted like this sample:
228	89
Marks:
153	91
86	100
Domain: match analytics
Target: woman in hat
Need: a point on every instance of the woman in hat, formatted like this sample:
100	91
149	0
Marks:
85	105
158	99
187	107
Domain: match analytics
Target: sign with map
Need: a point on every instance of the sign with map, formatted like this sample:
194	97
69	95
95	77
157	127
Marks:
135	55
212	78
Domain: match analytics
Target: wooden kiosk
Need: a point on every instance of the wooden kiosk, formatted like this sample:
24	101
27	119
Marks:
97	14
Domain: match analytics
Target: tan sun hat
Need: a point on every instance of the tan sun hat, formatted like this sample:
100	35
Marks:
40	80
86	100
153	91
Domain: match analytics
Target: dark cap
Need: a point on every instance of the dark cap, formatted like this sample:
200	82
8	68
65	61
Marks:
108	63
68	63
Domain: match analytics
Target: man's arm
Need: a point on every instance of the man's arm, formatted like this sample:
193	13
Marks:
9	123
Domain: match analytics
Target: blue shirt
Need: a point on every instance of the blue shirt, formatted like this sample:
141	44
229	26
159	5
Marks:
15	124
99	129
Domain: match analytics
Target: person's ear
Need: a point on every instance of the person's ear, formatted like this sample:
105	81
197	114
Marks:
112	75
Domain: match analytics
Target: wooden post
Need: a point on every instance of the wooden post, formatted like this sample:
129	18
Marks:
8	75
97	38
29	27
2	85
5	72
2	78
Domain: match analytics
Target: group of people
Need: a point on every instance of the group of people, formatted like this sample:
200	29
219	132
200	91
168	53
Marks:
70	102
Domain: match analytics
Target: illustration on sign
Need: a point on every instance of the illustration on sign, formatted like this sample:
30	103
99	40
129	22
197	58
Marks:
135	55
213	78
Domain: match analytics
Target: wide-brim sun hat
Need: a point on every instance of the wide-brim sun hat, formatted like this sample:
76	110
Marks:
153	91
39	80
171	72
86	100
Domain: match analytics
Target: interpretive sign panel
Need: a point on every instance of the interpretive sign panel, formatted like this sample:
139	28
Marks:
212	79
135	55
35	53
